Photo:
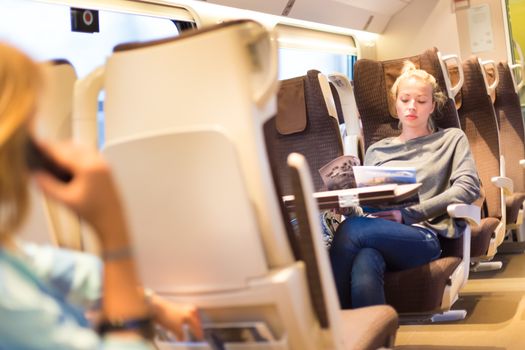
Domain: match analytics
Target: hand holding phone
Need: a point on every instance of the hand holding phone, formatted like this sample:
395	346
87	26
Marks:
37	159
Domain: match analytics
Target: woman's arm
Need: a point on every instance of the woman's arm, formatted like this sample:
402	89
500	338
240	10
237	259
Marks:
449	172
93	195
464	186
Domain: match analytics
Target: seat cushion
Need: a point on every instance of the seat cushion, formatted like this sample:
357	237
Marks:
513	204
369	328
479	242
419	289
481	236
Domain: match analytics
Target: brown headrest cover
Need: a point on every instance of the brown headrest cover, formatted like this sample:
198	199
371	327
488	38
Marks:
291	107
392	69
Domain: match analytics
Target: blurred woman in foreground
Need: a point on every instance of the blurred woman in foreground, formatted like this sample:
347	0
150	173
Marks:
45	291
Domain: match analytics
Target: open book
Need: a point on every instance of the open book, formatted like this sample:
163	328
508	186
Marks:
381	195
339	174
379	175
371	187
366	176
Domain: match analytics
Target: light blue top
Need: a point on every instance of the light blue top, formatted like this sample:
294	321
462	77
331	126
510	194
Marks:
43	294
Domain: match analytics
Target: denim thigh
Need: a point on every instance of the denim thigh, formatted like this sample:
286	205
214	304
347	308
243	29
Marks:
402	246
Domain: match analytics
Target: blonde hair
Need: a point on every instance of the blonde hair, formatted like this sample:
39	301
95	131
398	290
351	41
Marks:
20	82
409	70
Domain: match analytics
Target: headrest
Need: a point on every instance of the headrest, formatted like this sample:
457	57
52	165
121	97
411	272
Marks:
373	81
506	82
391	69
474	89
291	107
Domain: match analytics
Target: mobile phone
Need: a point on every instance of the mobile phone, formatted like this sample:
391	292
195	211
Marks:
37	159
242	332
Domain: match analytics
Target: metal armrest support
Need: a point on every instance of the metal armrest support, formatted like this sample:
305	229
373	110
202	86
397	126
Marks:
472	214
504	183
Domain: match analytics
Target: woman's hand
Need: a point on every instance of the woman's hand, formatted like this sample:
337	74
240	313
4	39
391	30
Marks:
392	215
91	193
175	316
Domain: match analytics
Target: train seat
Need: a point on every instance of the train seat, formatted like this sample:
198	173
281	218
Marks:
433	287
305	127
478	121
122	121
206	222
510	123
280	145
301	102
48	221
377	114
369	327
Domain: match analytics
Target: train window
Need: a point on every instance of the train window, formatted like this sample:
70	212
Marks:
296	62
516	33
44	31
301	49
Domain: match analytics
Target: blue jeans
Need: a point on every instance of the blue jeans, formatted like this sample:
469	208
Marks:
363	248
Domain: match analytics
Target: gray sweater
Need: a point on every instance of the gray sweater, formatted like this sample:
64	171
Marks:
446	169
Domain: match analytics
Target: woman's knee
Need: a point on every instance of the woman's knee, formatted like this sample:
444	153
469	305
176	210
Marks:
350	231
368	263
368	278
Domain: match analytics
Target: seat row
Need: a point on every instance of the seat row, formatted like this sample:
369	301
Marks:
430	289
490	115
207	221
202	180
484	103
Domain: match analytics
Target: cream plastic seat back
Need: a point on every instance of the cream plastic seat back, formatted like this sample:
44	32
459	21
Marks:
237	63
196	235
53	122
189	210
184	134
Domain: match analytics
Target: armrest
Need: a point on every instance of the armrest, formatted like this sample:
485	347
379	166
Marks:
503	182
522	163
472	214
469	212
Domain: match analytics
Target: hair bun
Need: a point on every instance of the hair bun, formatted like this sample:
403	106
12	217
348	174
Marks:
408	66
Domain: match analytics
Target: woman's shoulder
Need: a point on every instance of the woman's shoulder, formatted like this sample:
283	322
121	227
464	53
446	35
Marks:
452	133
17	281
386	142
